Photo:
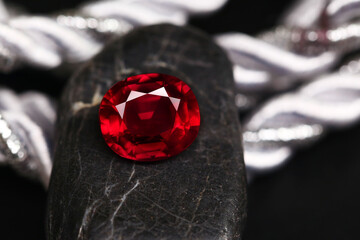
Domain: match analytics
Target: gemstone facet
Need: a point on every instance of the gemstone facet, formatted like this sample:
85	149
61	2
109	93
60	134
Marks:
149	117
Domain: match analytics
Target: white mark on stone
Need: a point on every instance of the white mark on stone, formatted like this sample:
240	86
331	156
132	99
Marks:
96	99
122	200
132	173
87	217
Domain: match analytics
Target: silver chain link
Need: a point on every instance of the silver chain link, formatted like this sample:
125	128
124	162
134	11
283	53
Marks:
76	36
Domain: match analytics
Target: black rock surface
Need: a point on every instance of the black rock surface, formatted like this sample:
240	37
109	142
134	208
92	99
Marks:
199	194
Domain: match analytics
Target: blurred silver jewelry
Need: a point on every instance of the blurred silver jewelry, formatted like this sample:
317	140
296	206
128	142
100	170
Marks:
76	36
26	133
295	120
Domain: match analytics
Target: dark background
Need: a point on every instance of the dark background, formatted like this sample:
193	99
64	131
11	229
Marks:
316	196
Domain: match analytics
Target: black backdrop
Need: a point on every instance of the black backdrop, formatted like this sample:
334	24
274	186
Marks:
316	196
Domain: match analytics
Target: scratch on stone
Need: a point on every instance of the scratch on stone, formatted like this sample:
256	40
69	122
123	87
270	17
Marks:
86	218
121	69
165	210
181	57
109	188
155	63
80	166
122	200
206	228
132	173
198	63
164	44
109	172
197	206
96	99
228	92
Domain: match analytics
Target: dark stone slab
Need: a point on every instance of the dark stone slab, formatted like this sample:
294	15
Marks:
199	194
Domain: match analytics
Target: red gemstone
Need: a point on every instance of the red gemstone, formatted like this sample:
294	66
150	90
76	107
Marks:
149	117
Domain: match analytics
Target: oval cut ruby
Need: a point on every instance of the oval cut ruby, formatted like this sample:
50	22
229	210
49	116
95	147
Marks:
149	117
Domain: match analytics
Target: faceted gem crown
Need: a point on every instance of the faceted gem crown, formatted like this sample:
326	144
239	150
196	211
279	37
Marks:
149	117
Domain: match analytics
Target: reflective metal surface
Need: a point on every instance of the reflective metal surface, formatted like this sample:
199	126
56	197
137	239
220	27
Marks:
47	42
296	119
257	62
26	133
